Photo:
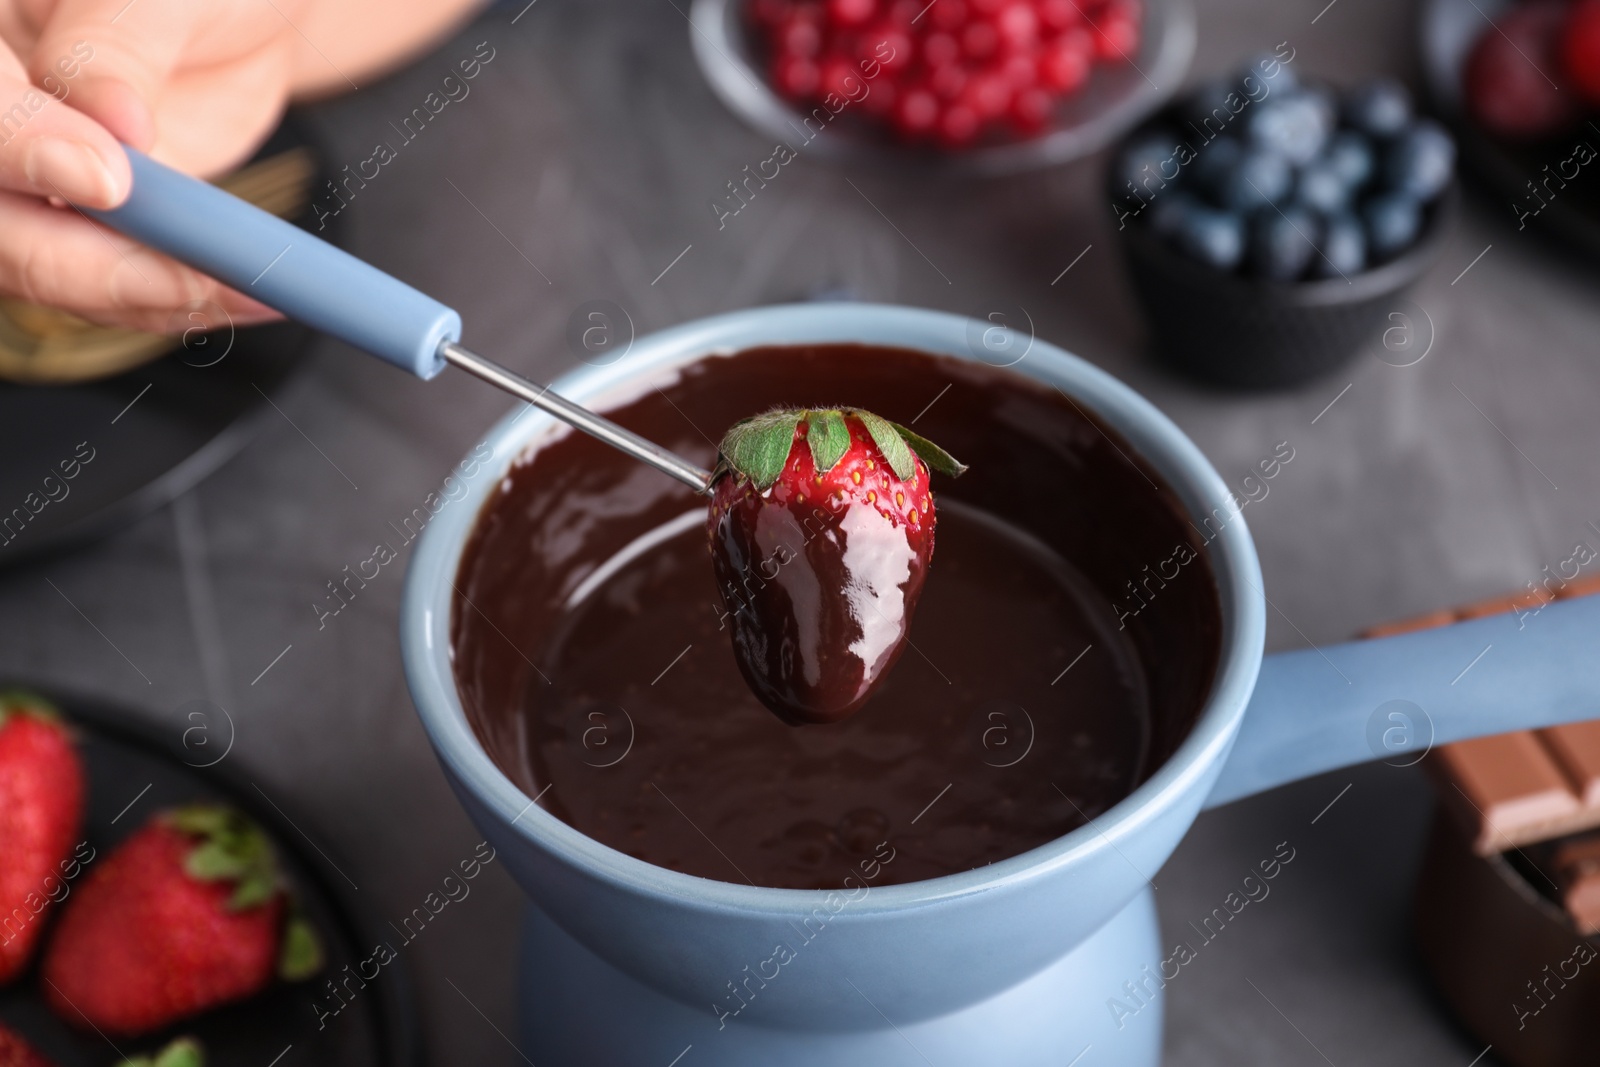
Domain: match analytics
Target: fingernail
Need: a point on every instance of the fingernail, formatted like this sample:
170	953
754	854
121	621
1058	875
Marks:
71	170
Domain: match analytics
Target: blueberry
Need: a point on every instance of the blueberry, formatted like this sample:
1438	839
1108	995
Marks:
1349	154
1379	108
1214	163
1209	101
1140	162
1215	238
1268	70
1421	161
1294	125
1319	187
1282	243
1258	179
1344	247
1168	210
1393	221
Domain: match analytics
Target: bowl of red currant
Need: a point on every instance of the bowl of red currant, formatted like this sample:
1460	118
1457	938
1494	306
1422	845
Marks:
985	87
1520	84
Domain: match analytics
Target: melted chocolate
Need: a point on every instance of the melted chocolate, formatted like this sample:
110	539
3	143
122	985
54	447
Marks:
591	657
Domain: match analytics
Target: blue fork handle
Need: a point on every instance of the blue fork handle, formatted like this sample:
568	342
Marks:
283	266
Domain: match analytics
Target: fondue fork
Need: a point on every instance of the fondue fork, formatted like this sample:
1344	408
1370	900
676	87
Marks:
324	287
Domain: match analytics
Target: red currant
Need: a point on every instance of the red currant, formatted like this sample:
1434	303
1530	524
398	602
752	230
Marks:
947	14
1018	25
939	50
1066	61
980	40
958	125
916	112
796	77
1031	110
1116	37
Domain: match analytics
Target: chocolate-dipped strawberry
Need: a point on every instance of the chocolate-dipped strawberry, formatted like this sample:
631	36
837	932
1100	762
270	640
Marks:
821	531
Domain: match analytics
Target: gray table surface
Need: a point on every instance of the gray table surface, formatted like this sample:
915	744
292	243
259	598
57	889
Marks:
577	169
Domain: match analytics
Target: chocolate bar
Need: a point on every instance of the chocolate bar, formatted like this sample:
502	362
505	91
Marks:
1575	865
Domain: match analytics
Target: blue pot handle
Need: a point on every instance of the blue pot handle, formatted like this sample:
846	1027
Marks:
1394	698
283	266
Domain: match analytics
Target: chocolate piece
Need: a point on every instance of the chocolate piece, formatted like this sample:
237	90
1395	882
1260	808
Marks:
1576	747
1060	652
1576	864
1507	788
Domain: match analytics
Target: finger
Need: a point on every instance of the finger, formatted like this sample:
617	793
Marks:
126	53
133	48
58	258
49	149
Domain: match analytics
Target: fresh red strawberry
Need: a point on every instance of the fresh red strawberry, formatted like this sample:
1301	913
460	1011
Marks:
1508	74
1580	49
186	914
15	1052
41	809
821	531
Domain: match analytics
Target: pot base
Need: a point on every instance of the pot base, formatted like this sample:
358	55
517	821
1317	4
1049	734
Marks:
577	1011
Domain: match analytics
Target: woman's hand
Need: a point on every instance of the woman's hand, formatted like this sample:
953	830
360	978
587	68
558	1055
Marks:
198	84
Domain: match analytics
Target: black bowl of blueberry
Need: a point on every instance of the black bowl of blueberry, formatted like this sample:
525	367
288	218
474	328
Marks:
1271	225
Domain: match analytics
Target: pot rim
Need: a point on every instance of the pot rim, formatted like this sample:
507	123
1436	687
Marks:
430	584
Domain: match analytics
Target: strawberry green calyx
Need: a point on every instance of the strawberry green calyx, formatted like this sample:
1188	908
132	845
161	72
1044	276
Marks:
300	955
184	1052
22	702
230	848
757	448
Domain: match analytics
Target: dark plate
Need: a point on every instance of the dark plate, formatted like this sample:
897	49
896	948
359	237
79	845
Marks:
1448	30
192	411
378	1024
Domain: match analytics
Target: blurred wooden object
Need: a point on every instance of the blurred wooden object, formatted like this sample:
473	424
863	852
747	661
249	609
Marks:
42	345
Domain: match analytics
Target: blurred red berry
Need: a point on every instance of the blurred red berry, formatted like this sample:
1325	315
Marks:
986	7
1021	70
1031	110
901	12
887	45
1018	25
940	49
851	12
795	77
770	12
948	81
980	40
1506	91
958	126
799	36
839	76
1060	14
1116	37
947	14
1580	49
916	112
987	93
1066	61
881	97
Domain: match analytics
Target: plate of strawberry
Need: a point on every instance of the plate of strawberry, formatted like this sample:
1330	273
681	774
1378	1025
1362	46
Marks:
153	911
984	87
1520	82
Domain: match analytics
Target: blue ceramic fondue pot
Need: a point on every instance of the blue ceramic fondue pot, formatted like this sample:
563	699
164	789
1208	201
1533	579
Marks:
1010	964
